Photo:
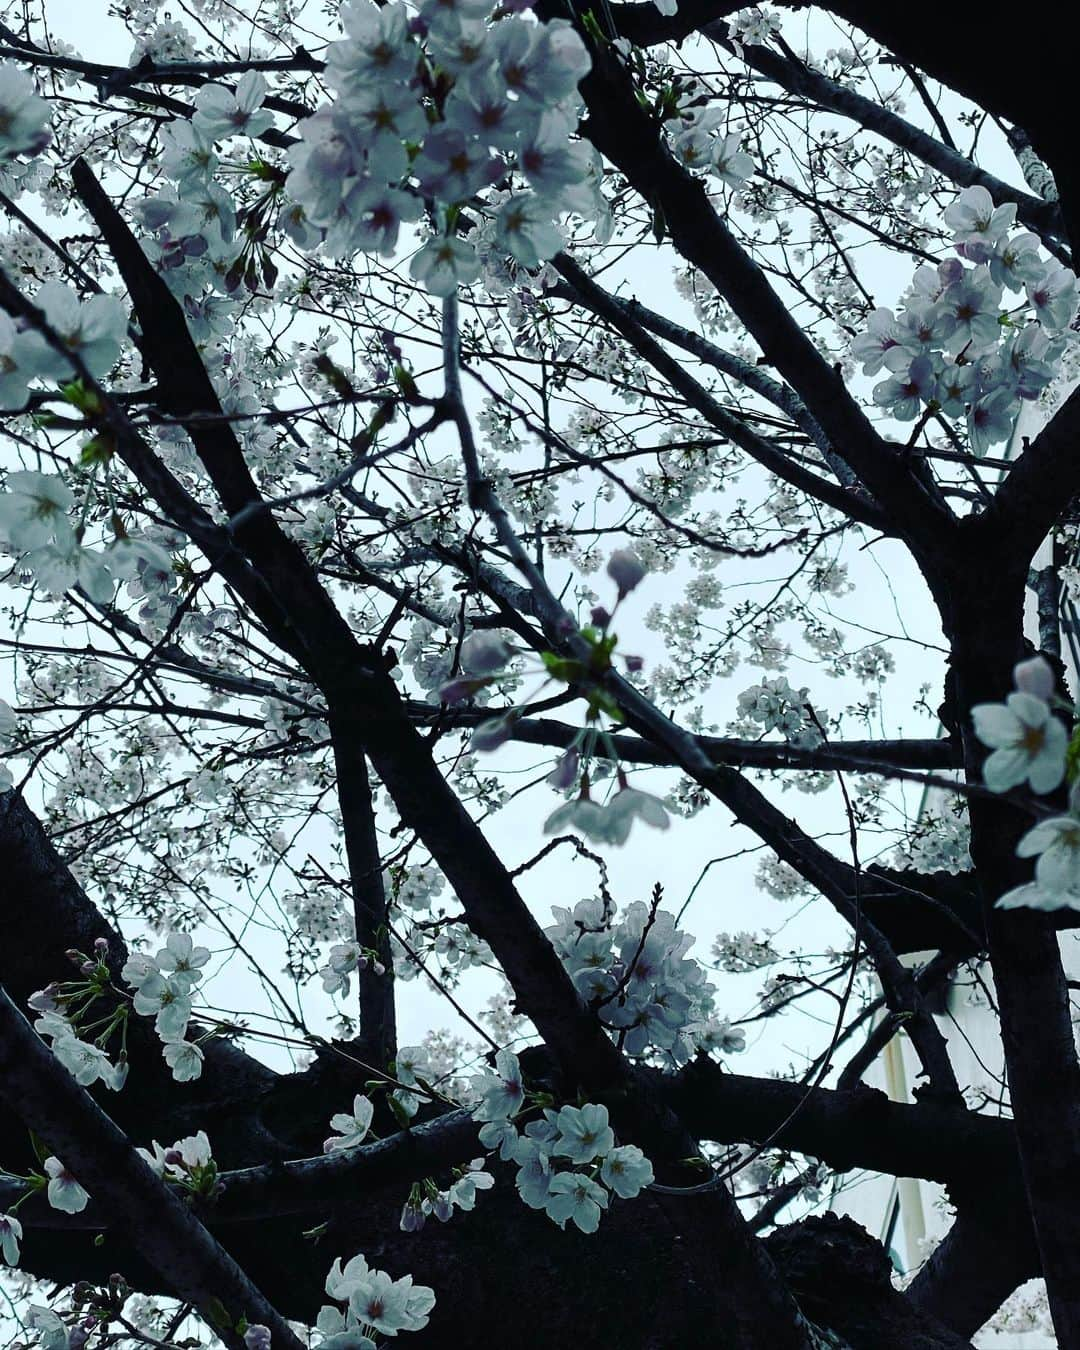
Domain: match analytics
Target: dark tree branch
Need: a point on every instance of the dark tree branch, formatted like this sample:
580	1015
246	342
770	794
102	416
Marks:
846	500
367	710
745	372
630	139
821	1256
188	1259
1041	483
983	1257
377	1042
984	619
798	78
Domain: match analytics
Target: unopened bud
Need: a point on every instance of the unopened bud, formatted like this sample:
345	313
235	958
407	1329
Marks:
626	570
1035	677
412	1218
599	617
564	775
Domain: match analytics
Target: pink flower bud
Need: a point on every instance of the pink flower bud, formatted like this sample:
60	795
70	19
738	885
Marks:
626	570
565	772
599	617
412	1218
1035	677
951	270
257	1337
634	664
378	968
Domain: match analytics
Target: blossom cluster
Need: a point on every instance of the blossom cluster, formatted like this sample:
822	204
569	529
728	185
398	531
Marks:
568	1163
780	880
35	526
775	706
937	843
62	1007
426	1200
634	968
374	1304
738	953
437	108
163	986
485	654
955	348
189	1162
86	1061
697	146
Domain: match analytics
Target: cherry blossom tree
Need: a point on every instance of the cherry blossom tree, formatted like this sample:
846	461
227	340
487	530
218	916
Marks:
556	525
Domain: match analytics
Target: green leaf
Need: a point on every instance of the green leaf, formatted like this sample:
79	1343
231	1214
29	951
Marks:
1072	756
98	450
217	1312
592	27
399	1113
405	382
561	667
86	400
41	1149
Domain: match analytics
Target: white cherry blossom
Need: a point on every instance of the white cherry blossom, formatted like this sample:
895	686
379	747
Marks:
221	112
34	509
10	1234
1027	741
63	1191
574	1197
352	1129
